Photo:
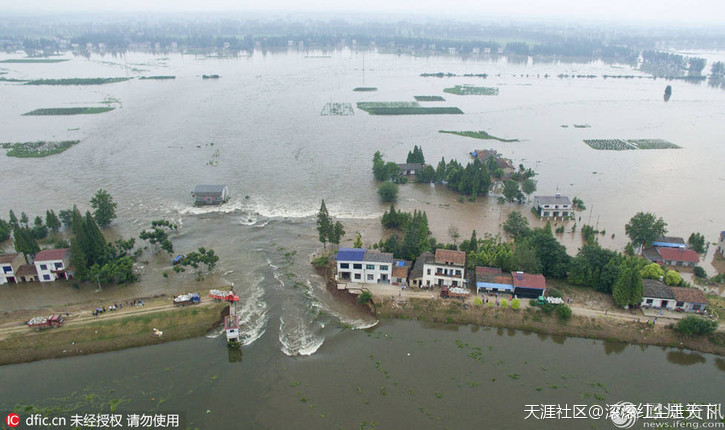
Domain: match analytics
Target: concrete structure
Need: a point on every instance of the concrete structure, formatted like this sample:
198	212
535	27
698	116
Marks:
210	194
9	265
493	280
528	285
448	269
657	295
410	168
401	268
52	264
555	206
378	267
416	272
350	264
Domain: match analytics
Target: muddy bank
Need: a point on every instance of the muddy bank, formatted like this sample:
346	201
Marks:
532	320
111	335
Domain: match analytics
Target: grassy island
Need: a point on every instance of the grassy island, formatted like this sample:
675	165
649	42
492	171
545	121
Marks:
404	108
429	98
162	77
365	89
34	60
68	111
76	81
470	90
478	135
37	149
629	144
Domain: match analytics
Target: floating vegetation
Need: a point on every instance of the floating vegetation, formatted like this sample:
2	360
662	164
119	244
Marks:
404	108
477	135
337	109
470	90
429	98
77	81
210	76
452	75
4	79
157	77
37	149
68	111
365	89
34	60
622	145
582	126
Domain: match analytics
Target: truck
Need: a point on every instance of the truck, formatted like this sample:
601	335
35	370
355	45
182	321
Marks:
40	323
459	293
187	299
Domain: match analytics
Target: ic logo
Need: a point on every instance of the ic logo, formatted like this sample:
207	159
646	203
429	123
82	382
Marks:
12	420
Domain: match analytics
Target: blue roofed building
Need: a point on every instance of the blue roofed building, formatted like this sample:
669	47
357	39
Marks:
669	242
493	280
350	264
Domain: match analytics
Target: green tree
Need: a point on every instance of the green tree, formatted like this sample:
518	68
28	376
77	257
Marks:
427	175
526	259
441	171
416	156
629	249
697	242
627	289
13	219
512	192
25	242
201	256
104	208
358	241
695	326
516	225
38	221
700	272
52	221
388	192
473	243
393	172
5	230
66	217
528	186
652	271
324	224
563	312
337	233
158	235
365	297
644	227
24	219
672	277
379	167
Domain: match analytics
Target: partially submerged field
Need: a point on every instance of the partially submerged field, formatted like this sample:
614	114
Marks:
68	111
40	148
629	144
76	81
470	90
111	334
404	108
477	135
34	60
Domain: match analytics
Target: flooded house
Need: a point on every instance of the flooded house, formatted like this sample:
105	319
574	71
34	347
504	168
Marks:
210	194
556	206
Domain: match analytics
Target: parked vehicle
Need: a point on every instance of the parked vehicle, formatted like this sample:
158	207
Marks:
184	299
40	323
459	293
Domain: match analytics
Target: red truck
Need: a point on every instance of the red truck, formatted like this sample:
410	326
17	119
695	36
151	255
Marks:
43	322
459	293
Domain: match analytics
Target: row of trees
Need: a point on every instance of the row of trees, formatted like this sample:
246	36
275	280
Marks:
327	229
410	238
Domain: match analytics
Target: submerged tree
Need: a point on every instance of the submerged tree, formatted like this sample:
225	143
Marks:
158	234
104	208
644	228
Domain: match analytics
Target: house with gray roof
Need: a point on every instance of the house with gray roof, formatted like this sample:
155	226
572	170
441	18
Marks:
378	267
657	295
210	194
364	266
556	206
416	272
410	168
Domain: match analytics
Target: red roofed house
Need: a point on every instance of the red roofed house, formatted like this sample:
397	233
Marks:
528	285
52	264
448	269
678	256
689	299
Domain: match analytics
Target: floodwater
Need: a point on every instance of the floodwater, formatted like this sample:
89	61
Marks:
258	129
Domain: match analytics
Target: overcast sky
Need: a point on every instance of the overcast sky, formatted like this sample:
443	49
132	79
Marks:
691	12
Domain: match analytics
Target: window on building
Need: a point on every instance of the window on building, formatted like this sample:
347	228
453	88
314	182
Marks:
429	271
696	307
680	304
357	266
7	269
58	266
357	276
43	267
370	276
384	267
344	265
369	267
46	277
649	301
458	273
546	213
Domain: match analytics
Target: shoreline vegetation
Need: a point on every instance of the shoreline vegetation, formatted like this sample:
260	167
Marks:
76	81
365	89
470	90
629	144
429	98
161	77
104	335
68	111
605	328
34	60
37	149
404	108
478	135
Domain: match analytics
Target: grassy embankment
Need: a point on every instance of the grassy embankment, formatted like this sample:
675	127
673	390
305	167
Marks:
534	320
68	111
76	81
37	149
404	108
110	335
477	135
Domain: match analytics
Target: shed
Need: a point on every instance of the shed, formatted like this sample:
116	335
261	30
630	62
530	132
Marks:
528	285
210	194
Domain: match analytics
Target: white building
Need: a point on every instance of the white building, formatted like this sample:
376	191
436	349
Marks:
52	264
350	264
553	206
9	265
448	269
378	267
361	265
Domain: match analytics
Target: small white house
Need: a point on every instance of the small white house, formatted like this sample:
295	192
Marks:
657	295
689	299
448	269
9	265
52	264
553	206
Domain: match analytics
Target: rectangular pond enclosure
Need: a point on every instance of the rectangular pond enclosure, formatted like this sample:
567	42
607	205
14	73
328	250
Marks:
210	194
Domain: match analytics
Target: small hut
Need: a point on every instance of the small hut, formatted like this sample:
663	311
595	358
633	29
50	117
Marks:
210	194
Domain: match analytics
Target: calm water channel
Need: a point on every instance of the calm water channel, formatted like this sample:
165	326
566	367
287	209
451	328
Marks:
258	129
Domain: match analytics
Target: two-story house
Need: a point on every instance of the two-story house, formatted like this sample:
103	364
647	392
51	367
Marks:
52	264
553	206
447	269
9	265
378	267
350	264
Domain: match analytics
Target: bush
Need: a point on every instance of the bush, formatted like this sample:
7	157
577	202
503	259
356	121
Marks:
388	192
365	297
564	312
554	293
700	272
533	302
515	304
695	326
548	308
672	278
321	261
504	303
477	301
